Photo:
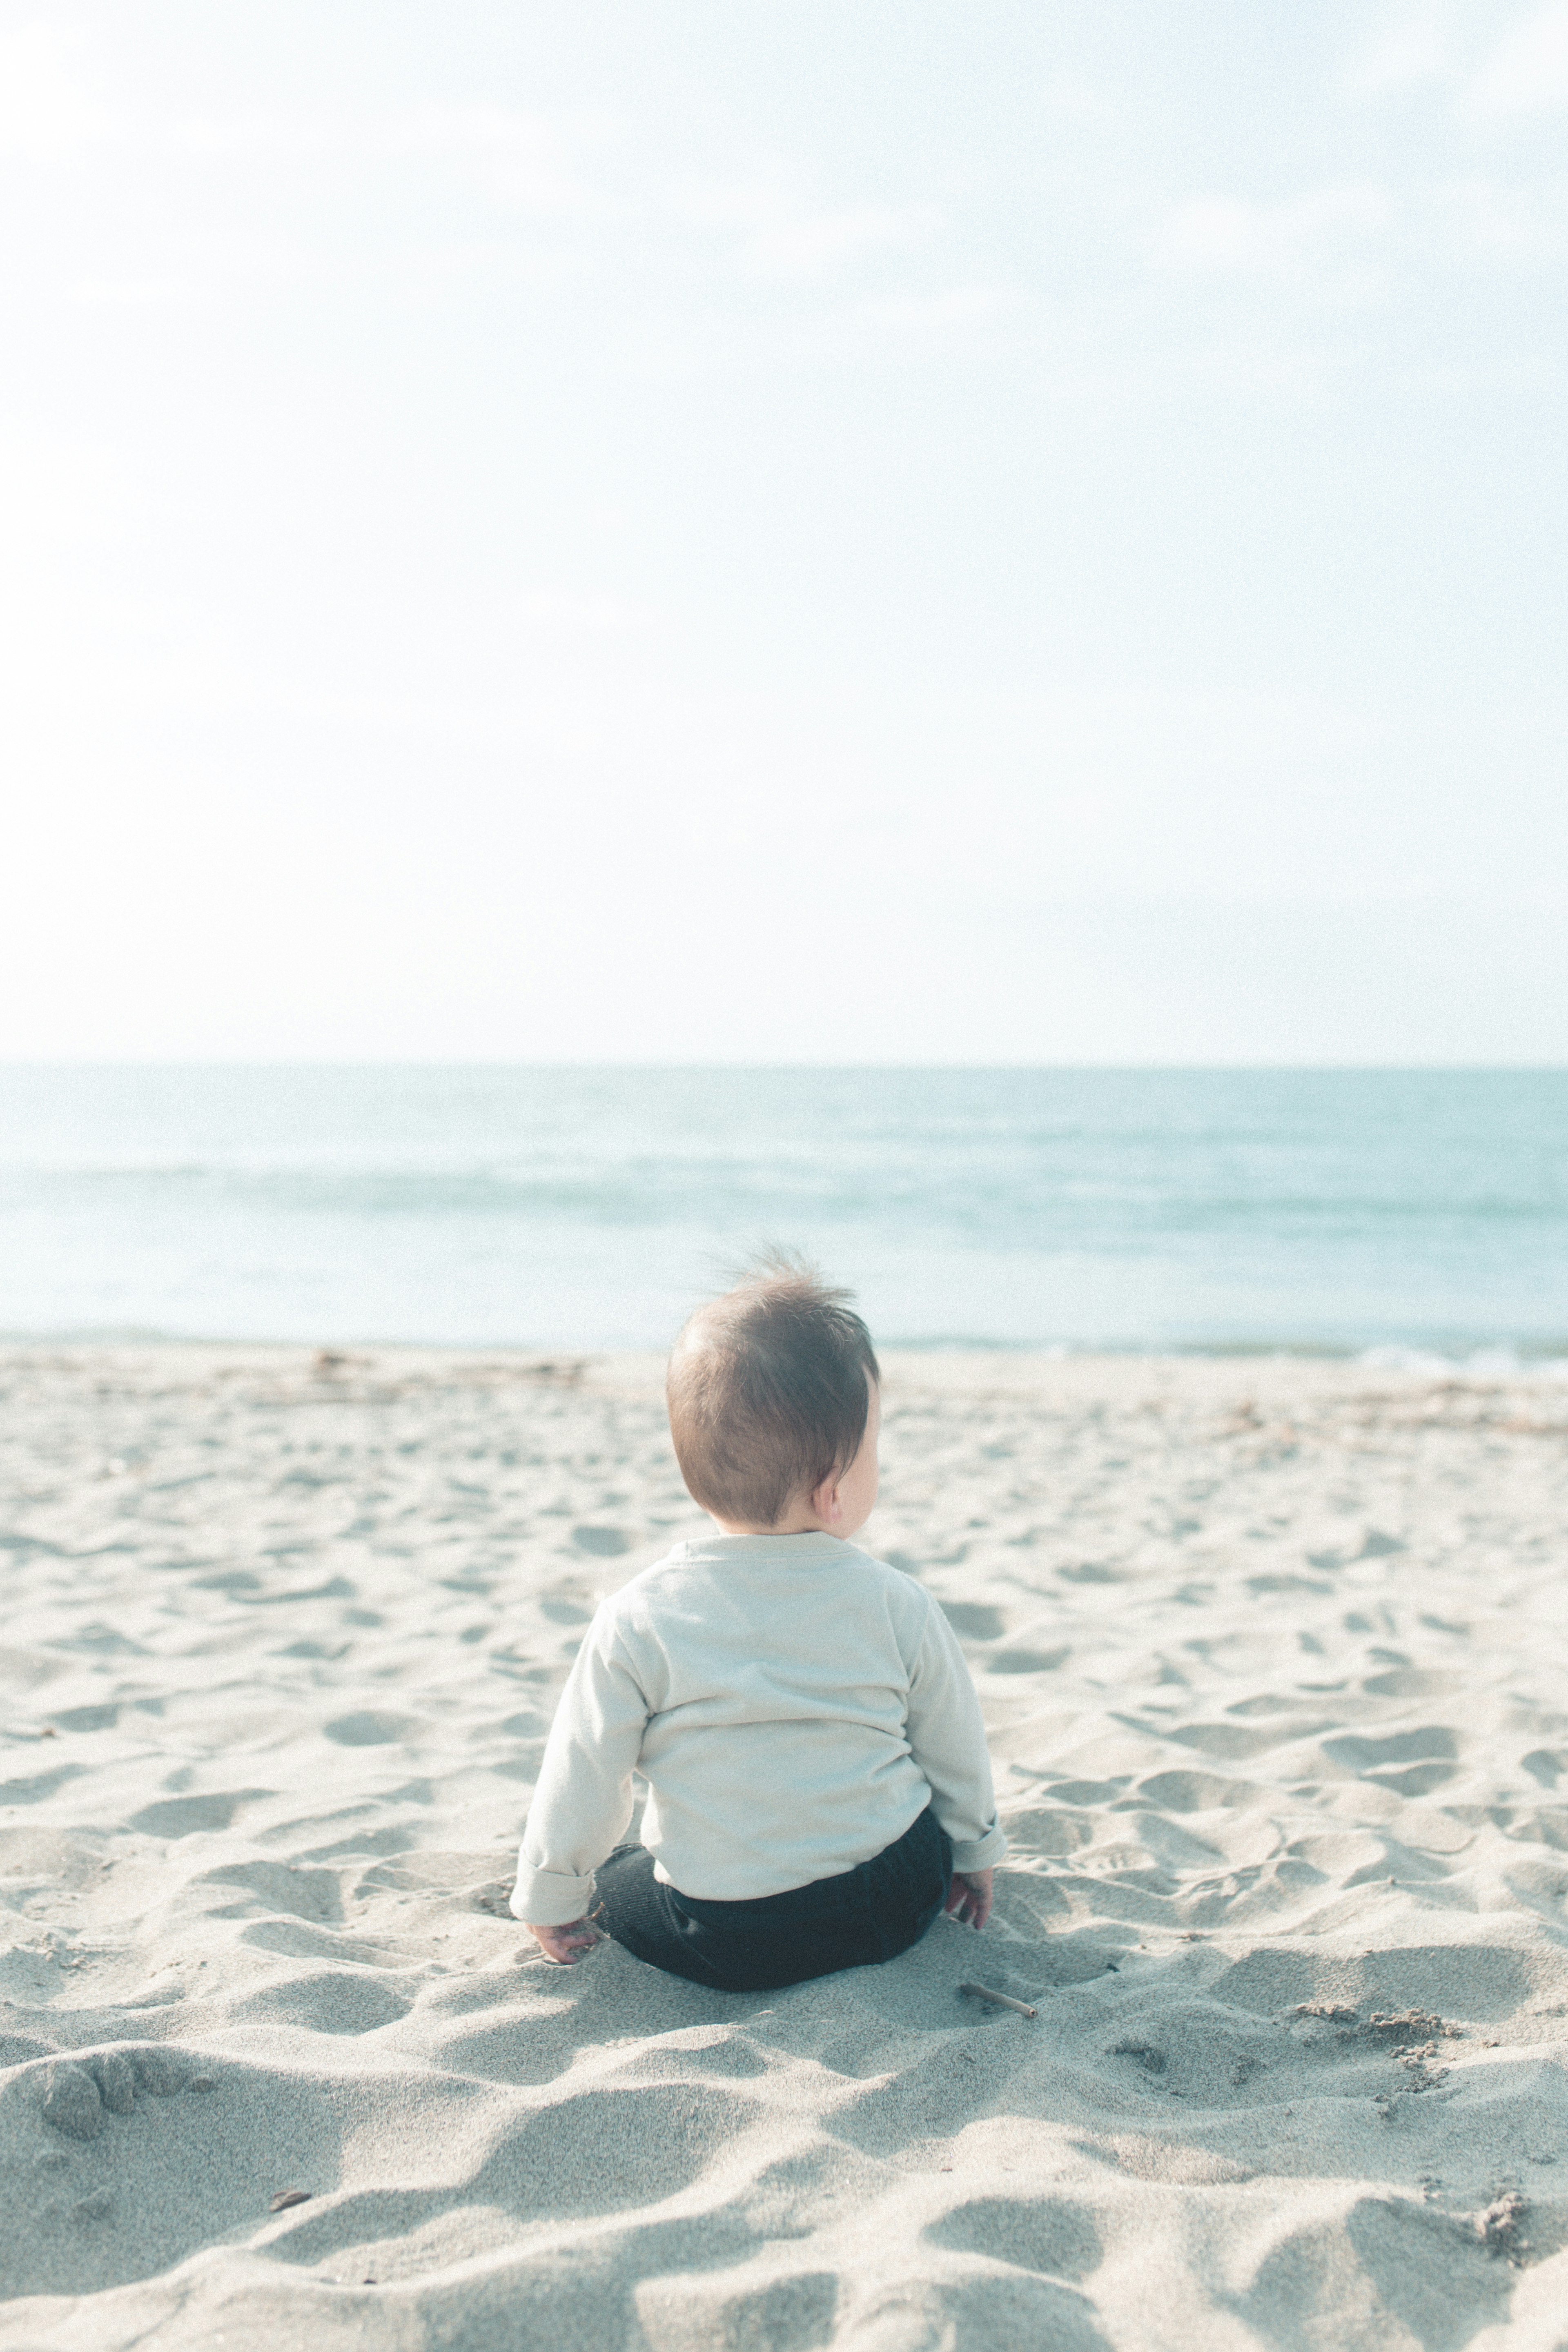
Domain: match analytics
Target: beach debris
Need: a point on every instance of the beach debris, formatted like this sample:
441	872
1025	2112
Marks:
201	2083
326	1362
998	1999
1413	2025
1500	2227
111	2070
96	2205
280	2202
71	2101
1410	2036
1417	2029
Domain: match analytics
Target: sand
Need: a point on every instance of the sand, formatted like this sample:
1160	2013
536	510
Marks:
1272	1655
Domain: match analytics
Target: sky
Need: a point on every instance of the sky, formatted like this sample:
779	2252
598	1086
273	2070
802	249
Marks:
823	531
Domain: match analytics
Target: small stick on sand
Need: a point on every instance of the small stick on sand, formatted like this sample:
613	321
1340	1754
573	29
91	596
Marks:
999	1999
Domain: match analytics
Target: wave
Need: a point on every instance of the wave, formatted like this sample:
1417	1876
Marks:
1298	1213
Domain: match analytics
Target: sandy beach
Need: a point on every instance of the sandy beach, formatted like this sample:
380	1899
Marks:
1272	1655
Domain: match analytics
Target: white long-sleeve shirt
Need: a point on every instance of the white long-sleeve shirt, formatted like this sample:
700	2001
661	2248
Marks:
792	1704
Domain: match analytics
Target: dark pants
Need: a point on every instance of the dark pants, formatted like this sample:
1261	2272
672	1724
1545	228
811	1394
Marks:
871	1913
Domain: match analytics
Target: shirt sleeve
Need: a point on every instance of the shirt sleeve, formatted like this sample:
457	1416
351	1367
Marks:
947	1740
584	1799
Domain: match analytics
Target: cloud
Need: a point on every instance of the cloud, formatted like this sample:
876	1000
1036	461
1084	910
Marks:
1232	234
1523	69
527	161
47	114
149	292
573	614
1527	73
1505	223
806	244
1414	50
607	175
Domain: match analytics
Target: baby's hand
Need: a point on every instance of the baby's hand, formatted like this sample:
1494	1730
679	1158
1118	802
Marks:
564	1944
969	1897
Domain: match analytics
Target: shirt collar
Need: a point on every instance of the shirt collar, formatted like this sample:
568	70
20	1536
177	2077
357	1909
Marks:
780	1551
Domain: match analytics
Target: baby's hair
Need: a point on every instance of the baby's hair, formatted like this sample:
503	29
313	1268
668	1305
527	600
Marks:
767	1391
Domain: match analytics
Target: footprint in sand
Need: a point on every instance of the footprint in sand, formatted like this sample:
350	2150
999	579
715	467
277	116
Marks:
71	2102
1048	2233
971	1621
369	1727
566	1606
178	1817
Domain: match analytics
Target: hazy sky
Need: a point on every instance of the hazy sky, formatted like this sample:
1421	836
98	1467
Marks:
814	530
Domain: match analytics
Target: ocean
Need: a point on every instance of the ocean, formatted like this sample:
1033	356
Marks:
1420	1211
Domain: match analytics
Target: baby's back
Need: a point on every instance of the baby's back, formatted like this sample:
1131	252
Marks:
777	1673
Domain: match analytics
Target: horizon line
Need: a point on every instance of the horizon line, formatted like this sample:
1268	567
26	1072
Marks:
1260	1068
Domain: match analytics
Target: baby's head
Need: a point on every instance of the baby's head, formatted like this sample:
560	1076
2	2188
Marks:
773	1406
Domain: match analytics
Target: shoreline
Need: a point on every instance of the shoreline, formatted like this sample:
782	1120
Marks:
1486	1359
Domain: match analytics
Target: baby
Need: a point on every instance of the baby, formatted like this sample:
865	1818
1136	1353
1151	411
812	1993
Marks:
819	1785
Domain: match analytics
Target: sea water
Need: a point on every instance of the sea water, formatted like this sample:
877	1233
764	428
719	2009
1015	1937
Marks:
588	1208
